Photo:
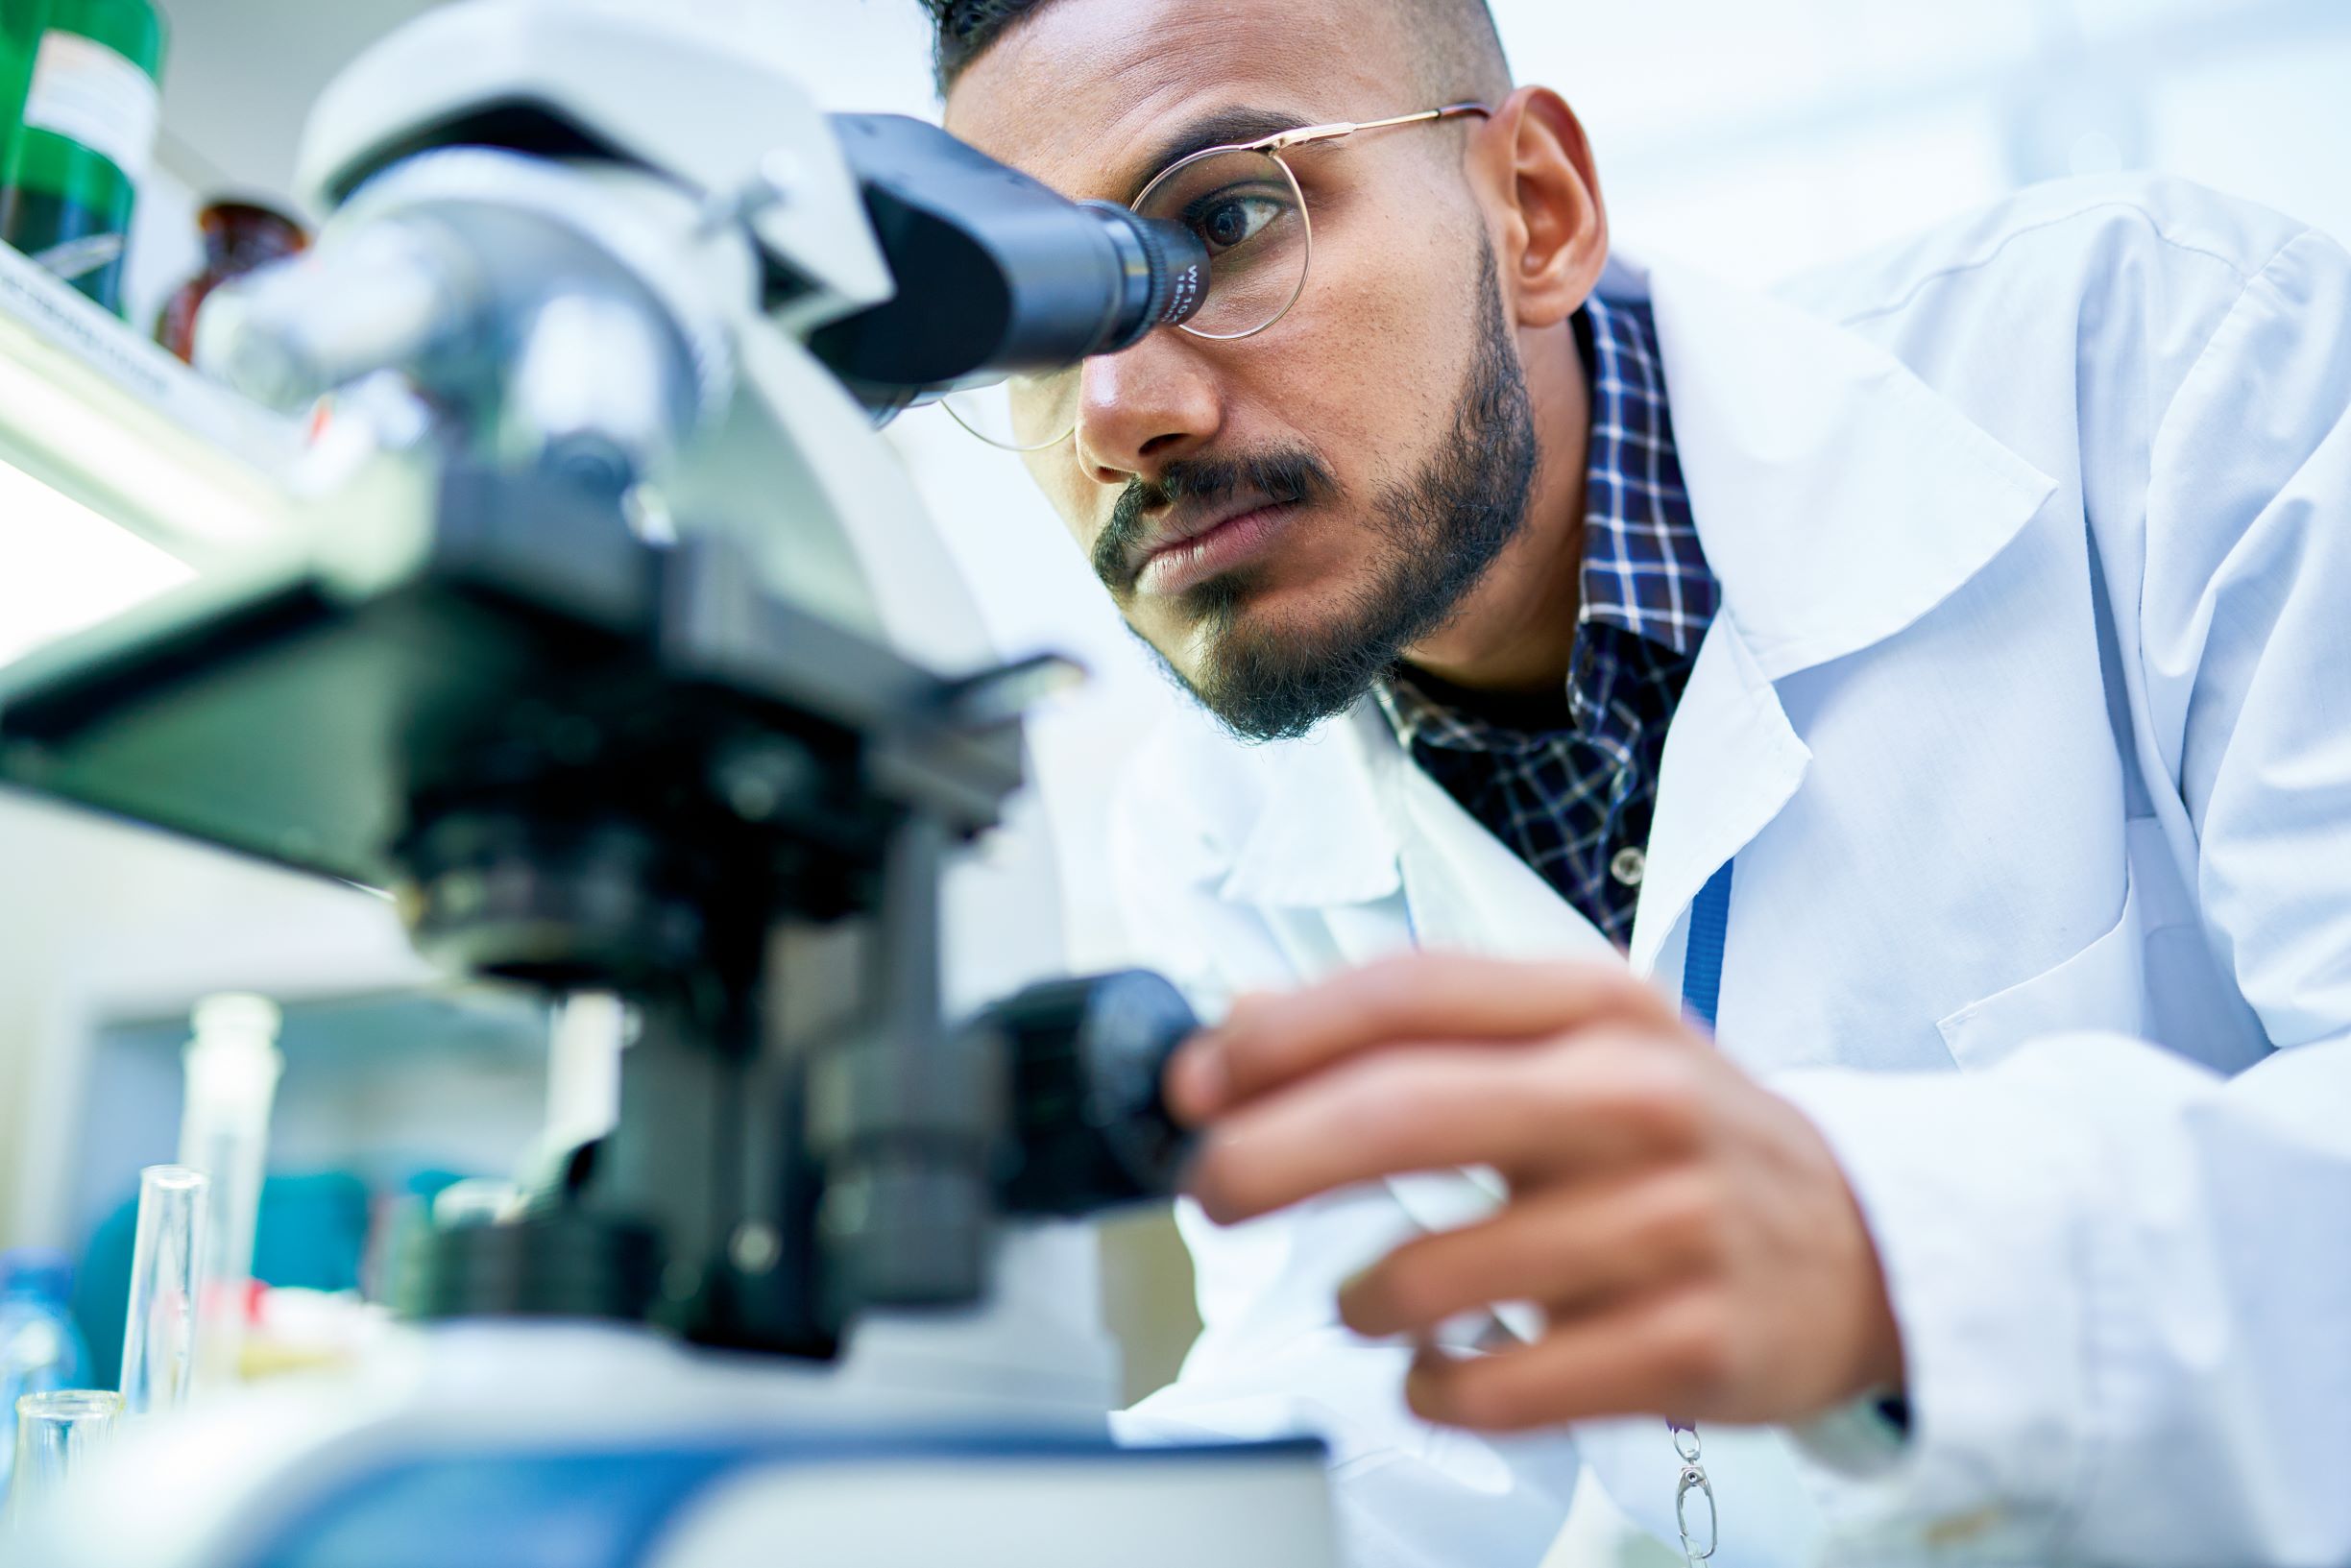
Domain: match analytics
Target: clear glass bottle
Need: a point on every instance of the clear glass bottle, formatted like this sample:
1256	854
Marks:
40	1349
55	1431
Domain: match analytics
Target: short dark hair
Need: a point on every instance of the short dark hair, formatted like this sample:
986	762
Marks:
1461	48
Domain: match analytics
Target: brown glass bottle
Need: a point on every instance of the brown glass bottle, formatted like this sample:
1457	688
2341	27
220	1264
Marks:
239	237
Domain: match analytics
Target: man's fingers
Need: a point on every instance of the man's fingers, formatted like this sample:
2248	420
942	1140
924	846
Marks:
1272	1040
1434	1107
1568	1246
1659	1354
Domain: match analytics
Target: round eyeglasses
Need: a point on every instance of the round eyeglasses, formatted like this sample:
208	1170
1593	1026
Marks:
1246	205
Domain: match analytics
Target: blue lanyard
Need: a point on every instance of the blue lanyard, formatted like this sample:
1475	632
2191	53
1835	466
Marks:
1702	970
1702	995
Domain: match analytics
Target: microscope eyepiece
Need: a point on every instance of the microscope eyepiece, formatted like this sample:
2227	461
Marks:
997	274
1165	271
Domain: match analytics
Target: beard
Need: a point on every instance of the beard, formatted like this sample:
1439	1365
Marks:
1432	537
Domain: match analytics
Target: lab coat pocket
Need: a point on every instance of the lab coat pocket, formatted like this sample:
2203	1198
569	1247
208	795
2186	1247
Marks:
2102	987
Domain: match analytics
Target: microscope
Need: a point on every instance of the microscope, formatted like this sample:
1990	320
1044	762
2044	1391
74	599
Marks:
617	651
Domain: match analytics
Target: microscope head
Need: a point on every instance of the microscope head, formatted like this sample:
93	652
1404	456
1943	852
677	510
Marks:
911	263
557	79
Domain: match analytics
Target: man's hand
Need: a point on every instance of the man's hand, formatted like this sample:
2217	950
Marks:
1695	1248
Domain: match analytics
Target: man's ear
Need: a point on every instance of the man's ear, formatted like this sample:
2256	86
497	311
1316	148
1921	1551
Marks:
1534	168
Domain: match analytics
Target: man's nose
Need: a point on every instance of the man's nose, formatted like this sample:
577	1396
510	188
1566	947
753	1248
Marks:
1141	410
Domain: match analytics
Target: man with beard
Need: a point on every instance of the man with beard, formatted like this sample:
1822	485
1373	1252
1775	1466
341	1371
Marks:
1948	671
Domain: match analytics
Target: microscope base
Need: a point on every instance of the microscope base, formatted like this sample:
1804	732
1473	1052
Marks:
818	1502
549	1445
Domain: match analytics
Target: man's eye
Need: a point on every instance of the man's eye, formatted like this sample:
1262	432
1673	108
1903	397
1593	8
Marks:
1223	222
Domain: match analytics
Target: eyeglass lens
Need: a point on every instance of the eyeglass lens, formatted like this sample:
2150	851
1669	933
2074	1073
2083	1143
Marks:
1250	215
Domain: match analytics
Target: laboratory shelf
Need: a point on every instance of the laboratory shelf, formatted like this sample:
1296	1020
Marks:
104	416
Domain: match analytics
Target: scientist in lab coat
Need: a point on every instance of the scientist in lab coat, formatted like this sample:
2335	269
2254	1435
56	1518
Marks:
1939	678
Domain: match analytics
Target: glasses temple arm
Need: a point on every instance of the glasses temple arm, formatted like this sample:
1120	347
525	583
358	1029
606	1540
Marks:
1305	134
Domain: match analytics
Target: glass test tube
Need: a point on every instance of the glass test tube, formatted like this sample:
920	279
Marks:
230	1068
160	1338
55	1432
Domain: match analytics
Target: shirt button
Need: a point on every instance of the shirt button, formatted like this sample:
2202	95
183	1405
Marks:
1629	867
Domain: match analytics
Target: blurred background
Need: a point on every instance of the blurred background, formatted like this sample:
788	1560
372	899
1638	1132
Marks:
1756	137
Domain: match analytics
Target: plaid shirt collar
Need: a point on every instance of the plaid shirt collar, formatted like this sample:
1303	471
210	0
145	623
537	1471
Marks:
1644	570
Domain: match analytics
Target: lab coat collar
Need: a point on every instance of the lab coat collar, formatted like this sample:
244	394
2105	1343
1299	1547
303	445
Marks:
1838	496
1732	761
1324	835
1839	499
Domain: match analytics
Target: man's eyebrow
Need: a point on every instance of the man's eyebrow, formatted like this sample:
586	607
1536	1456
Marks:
1218	127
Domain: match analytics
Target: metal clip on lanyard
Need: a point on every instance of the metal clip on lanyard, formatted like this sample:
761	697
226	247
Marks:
1701	995
1694	1479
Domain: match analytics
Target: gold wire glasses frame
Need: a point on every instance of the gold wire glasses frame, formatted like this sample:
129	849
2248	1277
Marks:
1249	298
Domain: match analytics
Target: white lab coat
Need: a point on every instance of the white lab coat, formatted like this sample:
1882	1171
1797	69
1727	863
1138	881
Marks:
2027	719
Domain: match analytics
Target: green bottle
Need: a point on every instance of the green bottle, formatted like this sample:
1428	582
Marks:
90	70
20	26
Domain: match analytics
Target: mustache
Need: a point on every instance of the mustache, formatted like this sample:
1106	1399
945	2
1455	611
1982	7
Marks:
1284	478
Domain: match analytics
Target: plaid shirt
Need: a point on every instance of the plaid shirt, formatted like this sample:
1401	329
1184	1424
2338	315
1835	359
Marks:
1575	801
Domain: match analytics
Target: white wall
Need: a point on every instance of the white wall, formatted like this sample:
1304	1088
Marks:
102	920
1762	139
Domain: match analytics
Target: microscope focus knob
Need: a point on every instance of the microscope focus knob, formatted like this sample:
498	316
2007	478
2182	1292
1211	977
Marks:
1090	1130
